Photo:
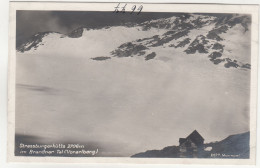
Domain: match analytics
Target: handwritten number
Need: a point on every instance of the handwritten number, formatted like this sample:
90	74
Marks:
133	9
116	8
140	9
123	9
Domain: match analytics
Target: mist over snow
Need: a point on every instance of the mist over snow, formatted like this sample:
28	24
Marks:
128	104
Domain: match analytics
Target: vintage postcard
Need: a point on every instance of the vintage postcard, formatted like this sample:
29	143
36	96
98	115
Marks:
132	83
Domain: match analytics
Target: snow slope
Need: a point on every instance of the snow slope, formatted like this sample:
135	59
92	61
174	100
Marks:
98	42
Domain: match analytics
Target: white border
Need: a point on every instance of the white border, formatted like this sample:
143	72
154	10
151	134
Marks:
107	7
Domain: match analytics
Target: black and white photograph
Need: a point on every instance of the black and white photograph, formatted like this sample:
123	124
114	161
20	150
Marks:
132	83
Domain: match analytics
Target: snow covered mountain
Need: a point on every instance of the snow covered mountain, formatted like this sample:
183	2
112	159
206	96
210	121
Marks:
135	87
219	38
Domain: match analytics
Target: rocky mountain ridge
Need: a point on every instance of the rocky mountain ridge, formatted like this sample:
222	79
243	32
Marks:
234	146
189	33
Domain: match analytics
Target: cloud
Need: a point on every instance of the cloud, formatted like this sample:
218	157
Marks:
144	105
